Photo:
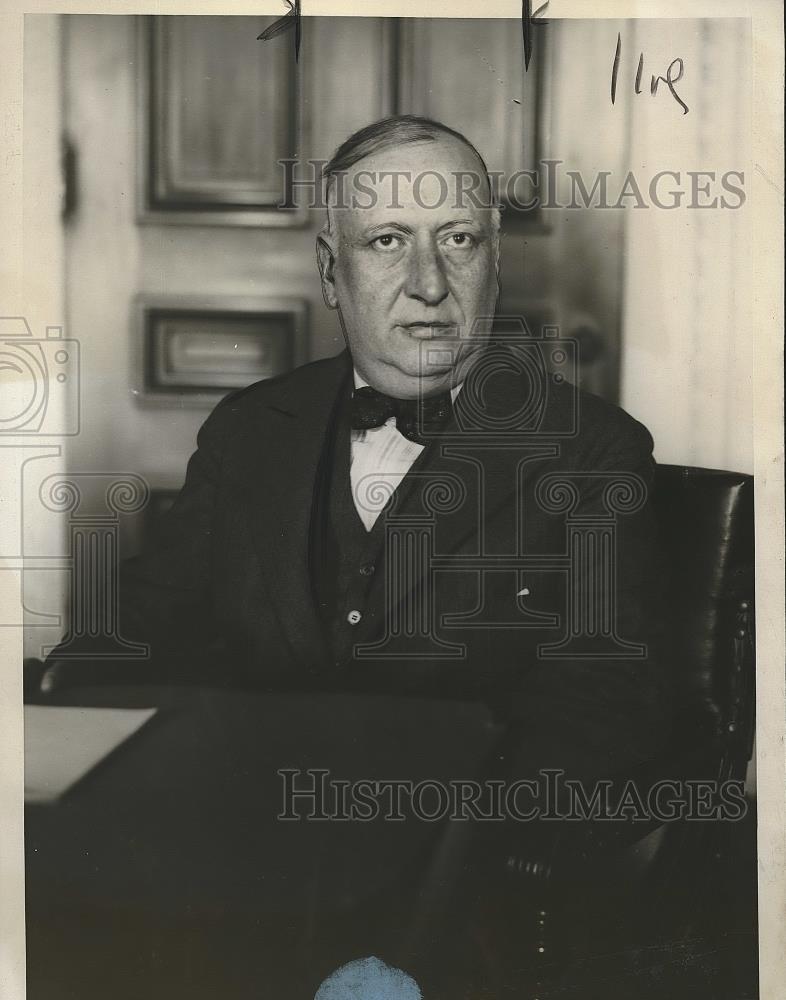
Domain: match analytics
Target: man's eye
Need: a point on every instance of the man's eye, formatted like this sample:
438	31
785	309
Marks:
459	241
388	241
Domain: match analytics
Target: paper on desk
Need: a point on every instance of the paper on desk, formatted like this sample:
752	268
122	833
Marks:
63	744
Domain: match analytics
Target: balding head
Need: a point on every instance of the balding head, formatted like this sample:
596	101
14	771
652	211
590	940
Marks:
470	186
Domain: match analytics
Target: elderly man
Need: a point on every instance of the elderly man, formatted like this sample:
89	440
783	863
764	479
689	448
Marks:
386	519
430	515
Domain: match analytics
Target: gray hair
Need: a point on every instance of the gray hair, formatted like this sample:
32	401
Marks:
391	132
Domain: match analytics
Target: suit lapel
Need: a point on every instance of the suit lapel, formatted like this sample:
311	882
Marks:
466	482
282	495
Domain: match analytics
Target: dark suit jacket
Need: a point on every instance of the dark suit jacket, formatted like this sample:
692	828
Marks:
226	587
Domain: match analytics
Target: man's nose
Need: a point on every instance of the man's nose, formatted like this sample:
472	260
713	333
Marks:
426	277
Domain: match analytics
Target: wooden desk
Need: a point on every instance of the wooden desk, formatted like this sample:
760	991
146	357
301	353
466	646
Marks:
166	873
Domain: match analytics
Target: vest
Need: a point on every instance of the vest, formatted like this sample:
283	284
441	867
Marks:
344	556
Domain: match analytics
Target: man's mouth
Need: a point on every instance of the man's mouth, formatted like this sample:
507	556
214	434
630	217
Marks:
430	328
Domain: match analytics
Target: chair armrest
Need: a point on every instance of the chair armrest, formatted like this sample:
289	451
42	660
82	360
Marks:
579	851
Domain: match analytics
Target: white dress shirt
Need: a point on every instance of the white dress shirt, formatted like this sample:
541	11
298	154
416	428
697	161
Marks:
379	459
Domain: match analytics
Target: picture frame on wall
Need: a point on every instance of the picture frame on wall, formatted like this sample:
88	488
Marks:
192	351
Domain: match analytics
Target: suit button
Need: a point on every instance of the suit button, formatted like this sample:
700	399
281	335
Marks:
354	617
367	569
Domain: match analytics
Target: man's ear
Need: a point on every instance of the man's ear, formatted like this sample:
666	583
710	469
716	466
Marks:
326	259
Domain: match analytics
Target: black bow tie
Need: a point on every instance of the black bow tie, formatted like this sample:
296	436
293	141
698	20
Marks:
418	420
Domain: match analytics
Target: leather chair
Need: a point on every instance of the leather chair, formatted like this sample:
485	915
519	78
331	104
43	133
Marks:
707	524
564	891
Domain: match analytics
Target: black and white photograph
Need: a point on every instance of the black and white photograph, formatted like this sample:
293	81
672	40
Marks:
392	478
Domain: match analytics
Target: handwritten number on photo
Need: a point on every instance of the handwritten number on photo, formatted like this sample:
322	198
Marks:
673	75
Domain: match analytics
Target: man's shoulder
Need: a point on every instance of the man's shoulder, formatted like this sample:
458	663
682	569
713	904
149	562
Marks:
599	429
517	394
600	416
282	390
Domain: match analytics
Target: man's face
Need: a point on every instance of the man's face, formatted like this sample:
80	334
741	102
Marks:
411	273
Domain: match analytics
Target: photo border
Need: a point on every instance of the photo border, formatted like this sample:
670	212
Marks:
28	290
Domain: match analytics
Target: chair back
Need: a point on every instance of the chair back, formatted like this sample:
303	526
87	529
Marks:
706	524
